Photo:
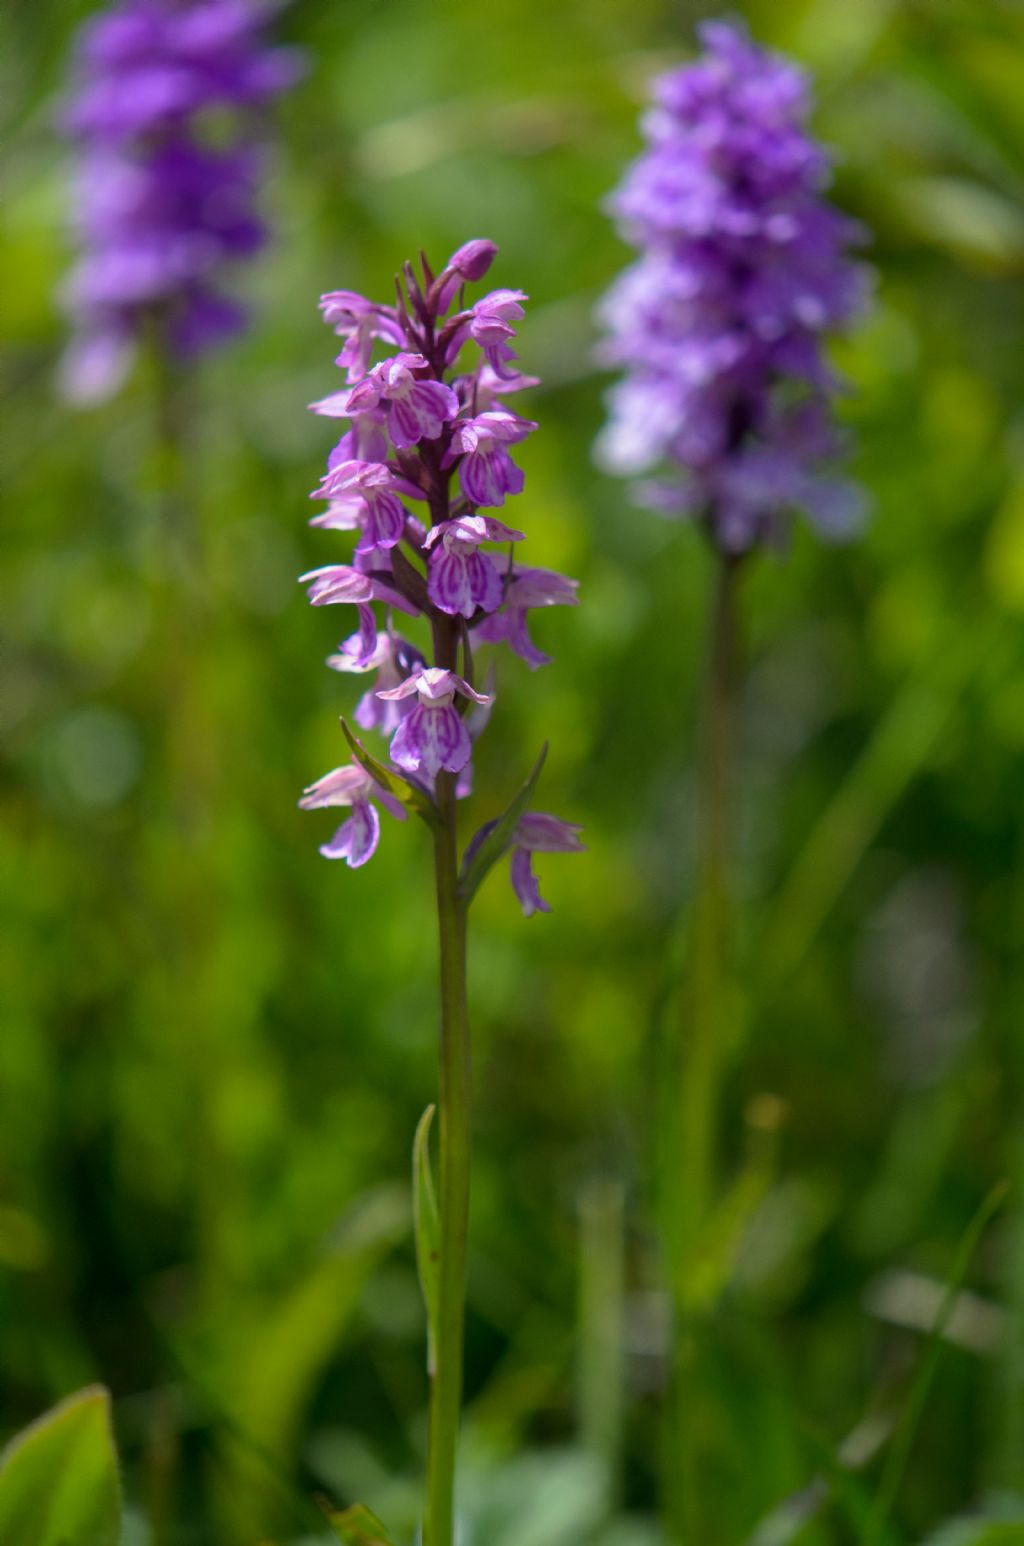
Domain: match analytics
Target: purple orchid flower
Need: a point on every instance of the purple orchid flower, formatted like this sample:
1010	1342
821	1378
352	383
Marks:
359	322
463	580
539	833
416	409
365	441
720	324
356	839
393	659
413	422
536	832
362	495
423	423
525	590
486	472
490	326
160	209
486	387
341	584
433	736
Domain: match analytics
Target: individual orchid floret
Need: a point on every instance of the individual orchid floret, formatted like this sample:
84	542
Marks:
536	832
416	409
362	496
359	322
490	326
333	583
393	659
486	387
342	584
539	833
525	590
365	441
356	839
463	580
486	472
433	737
467	265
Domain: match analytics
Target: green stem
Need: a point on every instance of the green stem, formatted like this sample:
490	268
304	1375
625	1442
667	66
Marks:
905	1431
178	543
600	1381
453	1188
692	1178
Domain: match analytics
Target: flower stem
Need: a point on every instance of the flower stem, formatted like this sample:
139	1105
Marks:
692	1178
177	539
453	1189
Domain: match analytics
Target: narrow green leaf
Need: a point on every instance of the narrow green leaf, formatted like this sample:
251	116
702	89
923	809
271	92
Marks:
906	1427
358	1526
428	1230
59	1483
413	798
477	863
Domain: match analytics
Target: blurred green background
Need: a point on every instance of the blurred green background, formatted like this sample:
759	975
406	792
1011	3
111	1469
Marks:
215	1046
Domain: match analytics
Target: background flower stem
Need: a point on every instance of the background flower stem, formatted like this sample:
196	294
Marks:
453	1190
692	1178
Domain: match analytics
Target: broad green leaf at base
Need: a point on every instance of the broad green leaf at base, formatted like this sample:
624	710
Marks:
59	1483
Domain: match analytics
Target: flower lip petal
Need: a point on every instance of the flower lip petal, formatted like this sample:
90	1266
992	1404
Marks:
365	834
349	655
432	737
525	884
356	839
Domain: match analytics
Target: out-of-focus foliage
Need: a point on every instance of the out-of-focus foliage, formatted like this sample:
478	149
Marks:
58	1480
216	1047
